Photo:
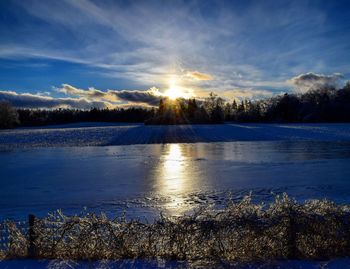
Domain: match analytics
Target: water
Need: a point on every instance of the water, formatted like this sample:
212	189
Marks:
173	178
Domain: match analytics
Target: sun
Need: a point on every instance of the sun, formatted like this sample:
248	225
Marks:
176	90
173	93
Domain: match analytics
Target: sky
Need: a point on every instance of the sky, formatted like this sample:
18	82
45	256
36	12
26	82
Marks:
85	53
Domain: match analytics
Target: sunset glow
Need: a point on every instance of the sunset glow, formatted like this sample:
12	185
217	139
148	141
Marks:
174	93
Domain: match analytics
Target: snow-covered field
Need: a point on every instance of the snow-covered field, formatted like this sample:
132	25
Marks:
92	134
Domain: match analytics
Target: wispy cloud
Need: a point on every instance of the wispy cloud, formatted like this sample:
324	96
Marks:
237	44
199	76
247	93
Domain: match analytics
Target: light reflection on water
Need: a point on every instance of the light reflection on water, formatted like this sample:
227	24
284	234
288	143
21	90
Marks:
184	171
173	179
172	175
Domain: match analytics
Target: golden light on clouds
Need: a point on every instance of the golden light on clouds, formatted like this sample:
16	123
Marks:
199	76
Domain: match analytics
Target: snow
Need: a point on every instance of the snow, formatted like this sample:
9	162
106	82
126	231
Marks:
104	134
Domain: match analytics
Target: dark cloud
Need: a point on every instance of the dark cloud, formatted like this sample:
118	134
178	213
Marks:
86	99
150	97
26	100
310	81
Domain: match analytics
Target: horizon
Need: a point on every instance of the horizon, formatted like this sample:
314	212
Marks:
123	53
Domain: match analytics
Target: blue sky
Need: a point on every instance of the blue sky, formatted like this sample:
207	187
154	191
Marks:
237	49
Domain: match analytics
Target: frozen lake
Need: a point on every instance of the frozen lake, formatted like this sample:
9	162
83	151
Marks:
172	178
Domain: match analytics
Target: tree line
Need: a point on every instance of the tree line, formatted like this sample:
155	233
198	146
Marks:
189	111
319	105
322	105
11	117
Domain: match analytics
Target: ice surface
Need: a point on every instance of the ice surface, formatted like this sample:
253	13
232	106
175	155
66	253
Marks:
173	178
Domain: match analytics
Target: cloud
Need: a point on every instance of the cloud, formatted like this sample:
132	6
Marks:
199	76
90	93
244	46
248	93
149	97
311	81
27	100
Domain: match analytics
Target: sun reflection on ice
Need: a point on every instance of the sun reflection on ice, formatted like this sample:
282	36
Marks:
174	178
173	168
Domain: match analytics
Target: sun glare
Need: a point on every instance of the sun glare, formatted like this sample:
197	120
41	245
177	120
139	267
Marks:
175	91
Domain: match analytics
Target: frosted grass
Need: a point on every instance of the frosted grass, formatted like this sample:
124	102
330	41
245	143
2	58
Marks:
241	232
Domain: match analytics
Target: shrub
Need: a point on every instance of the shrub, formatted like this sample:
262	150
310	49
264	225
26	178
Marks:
241	232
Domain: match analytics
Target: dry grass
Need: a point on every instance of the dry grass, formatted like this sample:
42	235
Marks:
241	232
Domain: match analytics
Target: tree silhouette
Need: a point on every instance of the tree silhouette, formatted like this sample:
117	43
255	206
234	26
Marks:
322	105
8	115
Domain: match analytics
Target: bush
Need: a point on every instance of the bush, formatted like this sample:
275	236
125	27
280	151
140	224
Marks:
8	115
242	232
